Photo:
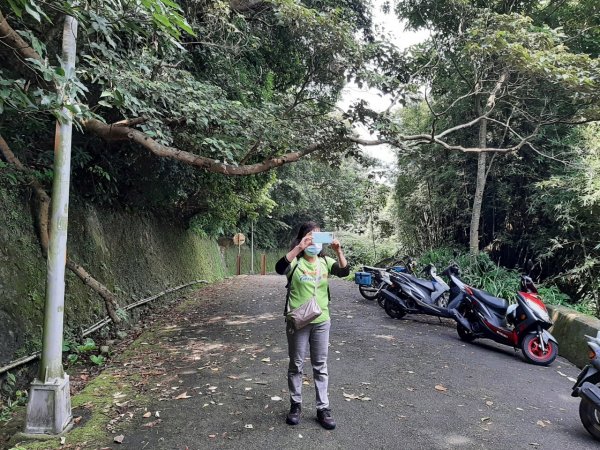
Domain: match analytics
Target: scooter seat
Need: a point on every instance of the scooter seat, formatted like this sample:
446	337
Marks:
372	268
499	305
424	283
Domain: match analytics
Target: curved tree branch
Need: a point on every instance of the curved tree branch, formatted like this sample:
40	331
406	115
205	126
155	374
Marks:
121	132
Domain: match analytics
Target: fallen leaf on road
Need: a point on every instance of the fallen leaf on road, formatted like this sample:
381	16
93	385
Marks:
76	420
276	398
212	435
152	424
571	379
540	423
485	419
119	439
233	377
148	414
351	396
356	397
384	336
266	360
489	403
182	396
157	414
439	387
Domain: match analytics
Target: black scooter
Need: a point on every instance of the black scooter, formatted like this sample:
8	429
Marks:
588	388
407	294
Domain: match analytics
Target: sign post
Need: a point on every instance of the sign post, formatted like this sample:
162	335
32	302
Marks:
238	240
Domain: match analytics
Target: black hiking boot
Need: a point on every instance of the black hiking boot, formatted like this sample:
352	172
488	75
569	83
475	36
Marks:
293	417
325	419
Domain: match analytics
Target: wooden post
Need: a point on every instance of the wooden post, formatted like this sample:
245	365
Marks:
263	264
238	265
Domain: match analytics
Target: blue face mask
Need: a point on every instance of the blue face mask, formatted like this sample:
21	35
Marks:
313	250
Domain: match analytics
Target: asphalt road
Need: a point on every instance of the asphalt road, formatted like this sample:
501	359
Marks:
226	350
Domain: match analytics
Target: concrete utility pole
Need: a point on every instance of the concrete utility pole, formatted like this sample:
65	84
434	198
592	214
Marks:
49	408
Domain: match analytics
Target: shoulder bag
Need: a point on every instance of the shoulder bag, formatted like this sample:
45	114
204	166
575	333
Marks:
309	311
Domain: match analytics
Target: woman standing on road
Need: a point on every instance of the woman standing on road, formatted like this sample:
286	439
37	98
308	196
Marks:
301	265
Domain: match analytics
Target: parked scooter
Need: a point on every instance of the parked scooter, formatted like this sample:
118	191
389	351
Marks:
588	388
407	294
524	324
370	279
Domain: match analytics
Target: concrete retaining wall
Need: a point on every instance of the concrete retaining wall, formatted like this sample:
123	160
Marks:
570	328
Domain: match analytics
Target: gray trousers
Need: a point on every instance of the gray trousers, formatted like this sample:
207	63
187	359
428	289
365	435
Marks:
317	338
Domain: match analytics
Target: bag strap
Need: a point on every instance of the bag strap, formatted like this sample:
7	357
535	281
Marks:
288	286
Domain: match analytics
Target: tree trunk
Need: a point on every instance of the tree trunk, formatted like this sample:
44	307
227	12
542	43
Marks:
479	188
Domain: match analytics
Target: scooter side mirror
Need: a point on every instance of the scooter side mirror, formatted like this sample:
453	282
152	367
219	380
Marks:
528	266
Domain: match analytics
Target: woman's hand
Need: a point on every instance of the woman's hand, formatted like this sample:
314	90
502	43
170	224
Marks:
335	245
306	241
337	248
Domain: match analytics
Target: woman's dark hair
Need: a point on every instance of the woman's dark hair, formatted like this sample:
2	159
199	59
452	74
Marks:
304	229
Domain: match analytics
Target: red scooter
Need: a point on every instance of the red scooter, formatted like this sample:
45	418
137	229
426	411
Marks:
522	325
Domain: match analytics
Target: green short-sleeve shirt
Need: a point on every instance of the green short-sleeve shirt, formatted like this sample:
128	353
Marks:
303	284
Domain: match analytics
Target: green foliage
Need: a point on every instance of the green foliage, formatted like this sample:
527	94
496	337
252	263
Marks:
97	359
338	194
359	249
75	351
248	90
539	203
87	346
483	273
10	397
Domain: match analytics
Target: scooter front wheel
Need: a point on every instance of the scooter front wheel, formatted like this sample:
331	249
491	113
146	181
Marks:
393	310
590	417
532	349
464	334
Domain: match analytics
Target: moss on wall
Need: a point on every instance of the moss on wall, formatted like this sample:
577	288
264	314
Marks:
133	254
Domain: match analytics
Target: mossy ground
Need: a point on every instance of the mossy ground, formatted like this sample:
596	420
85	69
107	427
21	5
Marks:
102	403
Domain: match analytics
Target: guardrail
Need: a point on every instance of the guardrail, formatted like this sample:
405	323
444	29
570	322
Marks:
569	329
24	360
